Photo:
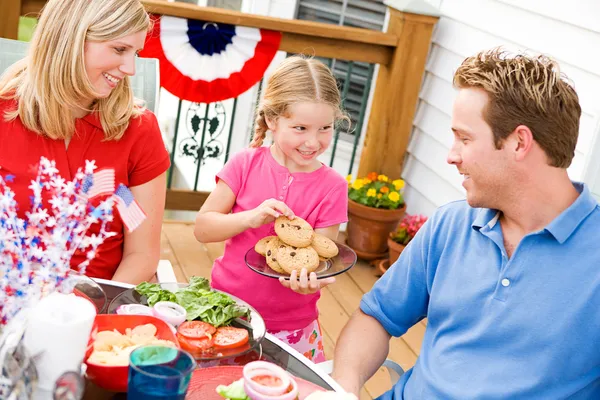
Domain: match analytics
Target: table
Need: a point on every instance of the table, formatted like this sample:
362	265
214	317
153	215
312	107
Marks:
273	350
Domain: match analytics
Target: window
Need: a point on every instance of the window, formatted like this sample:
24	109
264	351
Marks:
368	14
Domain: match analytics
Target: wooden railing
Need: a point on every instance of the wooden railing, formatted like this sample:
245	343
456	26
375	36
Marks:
401	53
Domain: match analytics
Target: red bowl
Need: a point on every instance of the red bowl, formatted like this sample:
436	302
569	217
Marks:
115	378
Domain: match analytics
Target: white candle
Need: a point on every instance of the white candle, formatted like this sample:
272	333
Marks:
57	333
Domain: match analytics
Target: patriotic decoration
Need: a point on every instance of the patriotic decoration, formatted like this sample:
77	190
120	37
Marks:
101	182
36	251
205	62
130	211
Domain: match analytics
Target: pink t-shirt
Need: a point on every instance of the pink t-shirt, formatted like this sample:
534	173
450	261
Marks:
320	197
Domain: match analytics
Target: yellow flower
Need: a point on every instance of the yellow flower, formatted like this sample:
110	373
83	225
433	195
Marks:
371	192
382	178
349	178
394	196
358	184
379	195
366	181
398	184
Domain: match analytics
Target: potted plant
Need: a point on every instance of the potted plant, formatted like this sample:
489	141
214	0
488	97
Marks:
398	239
406	231
375	206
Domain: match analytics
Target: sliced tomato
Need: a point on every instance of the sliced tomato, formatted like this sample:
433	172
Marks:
196	329
196	346
228	337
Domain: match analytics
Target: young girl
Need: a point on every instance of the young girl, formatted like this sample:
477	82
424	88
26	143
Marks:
300	107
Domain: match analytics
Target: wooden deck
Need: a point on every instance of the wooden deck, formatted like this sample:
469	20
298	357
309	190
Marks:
337	303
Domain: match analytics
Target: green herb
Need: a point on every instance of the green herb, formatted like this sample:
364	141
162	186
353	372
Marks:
199	300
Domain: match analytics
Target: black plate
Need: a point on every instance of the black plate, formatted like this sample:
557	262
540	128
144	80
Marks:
255	327
341	263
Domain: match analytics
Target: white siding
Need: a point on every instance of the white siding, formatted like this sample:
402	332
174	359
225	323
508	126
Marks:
569	32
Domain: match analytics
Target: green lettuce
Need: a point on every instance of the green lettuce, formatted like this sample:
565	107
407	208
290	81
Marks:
154	293
234	391
199	300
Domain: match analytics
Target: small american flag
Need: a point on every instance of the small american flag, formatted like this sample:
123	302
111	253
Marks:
99	183
131	213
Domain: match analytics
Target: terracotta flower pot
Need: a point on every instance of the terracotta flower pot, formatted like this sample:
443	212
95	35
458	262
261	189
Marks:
368	229
394	250
382	266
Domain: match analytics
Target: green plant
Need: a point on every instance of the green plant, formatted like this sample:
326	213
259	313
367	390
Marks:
408	228
376	191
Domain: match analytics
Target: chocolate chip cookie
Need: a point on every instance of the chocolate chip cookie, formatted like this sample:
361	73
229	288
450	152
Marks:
325	247
271	254
261	246
295	232
292	258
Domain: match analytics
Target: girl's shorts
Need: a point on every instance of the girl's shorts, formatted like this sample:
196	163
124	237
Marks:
308	341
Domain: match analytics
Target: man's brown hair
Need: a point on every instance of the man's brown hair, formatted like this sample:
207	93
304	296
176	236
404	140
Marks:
526	91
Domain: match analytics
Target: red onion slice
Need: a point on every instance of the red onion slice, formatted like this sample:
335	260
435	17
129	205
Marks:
263	368
134	309
255	395
169	312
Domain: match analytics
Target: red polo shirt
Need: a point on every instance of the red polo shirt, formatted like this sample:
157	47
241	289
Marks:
138	157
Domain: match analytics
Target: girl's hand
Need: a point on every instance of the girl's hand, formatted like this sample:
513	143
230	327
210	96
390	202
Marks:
305	284
267	212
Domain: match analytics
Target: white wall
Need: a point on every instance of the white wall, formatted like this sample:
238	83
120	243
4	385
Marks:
567	31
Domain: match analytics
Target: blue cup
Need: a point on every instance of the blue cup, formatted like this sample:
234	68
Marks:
159	372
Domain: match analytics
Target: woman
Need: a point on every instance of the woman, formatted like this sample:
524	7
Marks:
70	100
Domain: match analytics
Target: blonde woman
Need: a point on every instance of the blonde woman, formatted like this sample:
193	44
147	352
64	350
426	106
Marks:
300	107
70	100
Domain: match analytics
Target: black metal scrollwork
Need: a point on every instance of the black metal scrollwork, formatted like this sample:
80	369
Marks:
198	145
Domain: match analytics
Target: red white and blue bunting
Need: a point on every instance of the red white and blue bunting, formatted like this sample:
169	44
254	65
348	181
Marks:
206	62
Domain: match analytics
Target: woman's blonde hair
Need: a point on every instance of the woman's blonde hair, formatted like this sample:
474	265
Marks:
51	80
296	80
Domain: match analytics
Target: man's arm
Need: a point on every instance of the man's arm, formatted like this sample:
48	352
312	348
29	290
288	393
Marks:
356	357
398	300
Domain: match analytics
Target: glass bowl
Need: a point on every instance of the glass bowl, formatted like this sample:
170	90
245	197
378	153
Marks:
86	287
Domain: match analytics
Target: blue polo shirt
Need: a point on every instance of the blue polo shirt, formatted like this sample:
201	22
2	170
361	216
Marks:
527	327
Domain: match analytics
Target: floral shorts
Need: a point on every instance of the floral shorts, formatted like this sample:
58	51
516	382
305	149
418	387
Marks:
308	341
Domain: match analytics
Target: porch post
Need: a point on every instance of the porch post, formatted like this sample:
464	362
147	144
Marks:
9	18
397	88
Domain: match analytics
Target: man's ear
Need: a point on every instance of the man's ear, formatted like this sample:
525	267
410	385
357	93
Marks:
522	141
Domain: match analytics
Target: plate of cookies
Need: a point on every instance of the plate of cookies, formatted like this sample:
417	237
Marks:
296	245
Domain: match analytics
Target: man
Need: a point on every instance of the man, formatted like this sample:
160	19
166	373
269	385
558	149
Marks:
510	278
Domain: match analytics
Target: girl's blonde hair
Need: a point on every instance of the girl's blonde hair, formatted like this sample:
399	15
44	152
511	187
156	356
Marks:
51	80
296	80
